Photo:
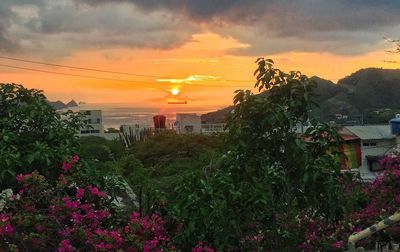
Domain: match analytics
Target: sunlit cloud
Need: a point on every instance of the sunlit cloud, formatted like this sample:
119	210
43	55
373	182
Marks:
191	78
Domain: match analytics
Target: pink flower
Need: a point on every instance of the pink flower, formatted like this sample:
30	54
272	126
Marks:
65	246
77	218
337	244
66	166
21	191
96	192
146	248
86	207
20	177
79	193
71	204
202	247
100	245
76	158
135	216
7	229
126	229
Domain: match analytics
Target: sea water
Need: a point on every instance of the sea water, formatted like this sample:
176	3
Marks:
115	114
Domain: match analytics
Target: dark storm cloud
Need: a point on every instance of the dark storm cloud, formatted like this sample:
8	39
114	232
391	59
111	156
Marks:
6	43
267	26
337	26
318	15
63	26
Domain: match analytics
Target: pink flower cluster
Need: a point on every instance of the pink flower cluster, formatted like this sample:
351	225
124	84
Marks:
319	235
148	226
67	165
5	226
65	246
44	216
202	247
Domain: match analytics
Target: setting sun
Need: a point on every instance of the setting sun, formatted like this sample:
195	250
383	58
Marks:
175	91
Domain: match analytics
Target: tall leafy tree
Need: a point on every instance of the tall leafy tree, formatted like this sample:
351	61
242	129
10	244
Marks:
33	136
270	174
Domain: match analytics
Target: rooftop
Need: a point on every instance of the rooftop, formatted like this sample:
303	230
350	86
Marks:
366	132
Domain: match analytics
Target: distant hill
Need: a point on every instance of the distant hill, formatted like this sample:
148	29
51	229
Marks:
218	116
72	103
60	105
361	93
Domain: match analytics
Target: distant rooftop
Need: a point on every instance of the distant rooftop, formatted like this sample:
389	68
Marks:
365	132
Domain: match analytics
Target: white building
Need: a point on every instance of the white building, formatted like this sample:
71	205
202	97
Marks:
375	142
94	125
187	123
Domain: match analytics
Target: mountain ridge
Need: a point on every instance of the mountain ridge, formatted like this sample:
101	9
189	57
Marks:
57	105
363	92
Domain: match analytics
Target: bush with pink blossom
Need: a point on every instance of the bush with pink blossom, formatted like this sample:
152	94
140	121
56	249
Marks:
67	217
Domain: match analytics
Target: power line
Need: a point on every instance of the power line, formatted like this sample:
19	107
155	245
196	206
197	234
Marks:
74	75
99	70
103	78
81	68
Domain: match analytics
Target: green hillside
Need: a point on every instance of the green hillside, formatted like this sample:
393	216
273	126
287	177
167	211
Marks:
370	95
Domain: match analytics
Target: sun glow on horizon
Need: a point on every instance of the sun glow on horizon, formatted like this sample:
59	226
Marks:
175	91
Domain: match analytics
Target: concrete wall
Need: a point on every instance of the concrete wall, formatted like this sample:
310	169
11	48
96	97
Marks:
187	123
373	148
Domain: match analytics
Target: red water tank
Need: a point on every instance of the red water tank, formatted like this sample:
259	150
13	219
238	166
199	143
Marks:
159	121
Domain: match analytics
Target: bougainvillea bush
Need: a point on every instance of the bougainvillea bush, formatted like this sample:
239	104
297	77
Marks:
383	200
366	204
68	217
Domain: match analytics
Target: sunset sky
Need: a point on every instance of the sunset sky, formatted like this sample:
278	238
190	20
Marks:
205	49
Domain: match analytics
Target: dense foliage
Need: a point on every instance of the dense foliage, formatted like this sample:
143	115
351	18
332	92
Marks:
268	173
33	136
151	168
100	149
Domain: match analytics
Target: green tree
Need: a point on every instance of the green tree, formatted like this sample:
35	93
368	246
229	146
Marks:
138	179
167	157
100	149
33	136
269	175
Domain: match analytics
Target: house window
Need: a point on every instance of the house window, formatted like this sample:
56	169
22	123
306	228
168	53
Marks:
98	120
189	128
95	131
373	163
369	144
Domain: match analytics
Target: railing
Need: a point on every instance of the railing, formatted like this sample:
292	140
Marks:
353	239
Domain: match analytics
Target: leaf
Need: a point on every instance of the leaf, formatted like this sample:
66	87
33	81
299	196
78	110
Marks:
270	61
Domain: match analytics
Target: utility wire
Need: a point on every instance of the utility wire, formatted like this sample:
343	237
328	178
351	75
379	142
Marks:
80	68
100	70
106	79
74	75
